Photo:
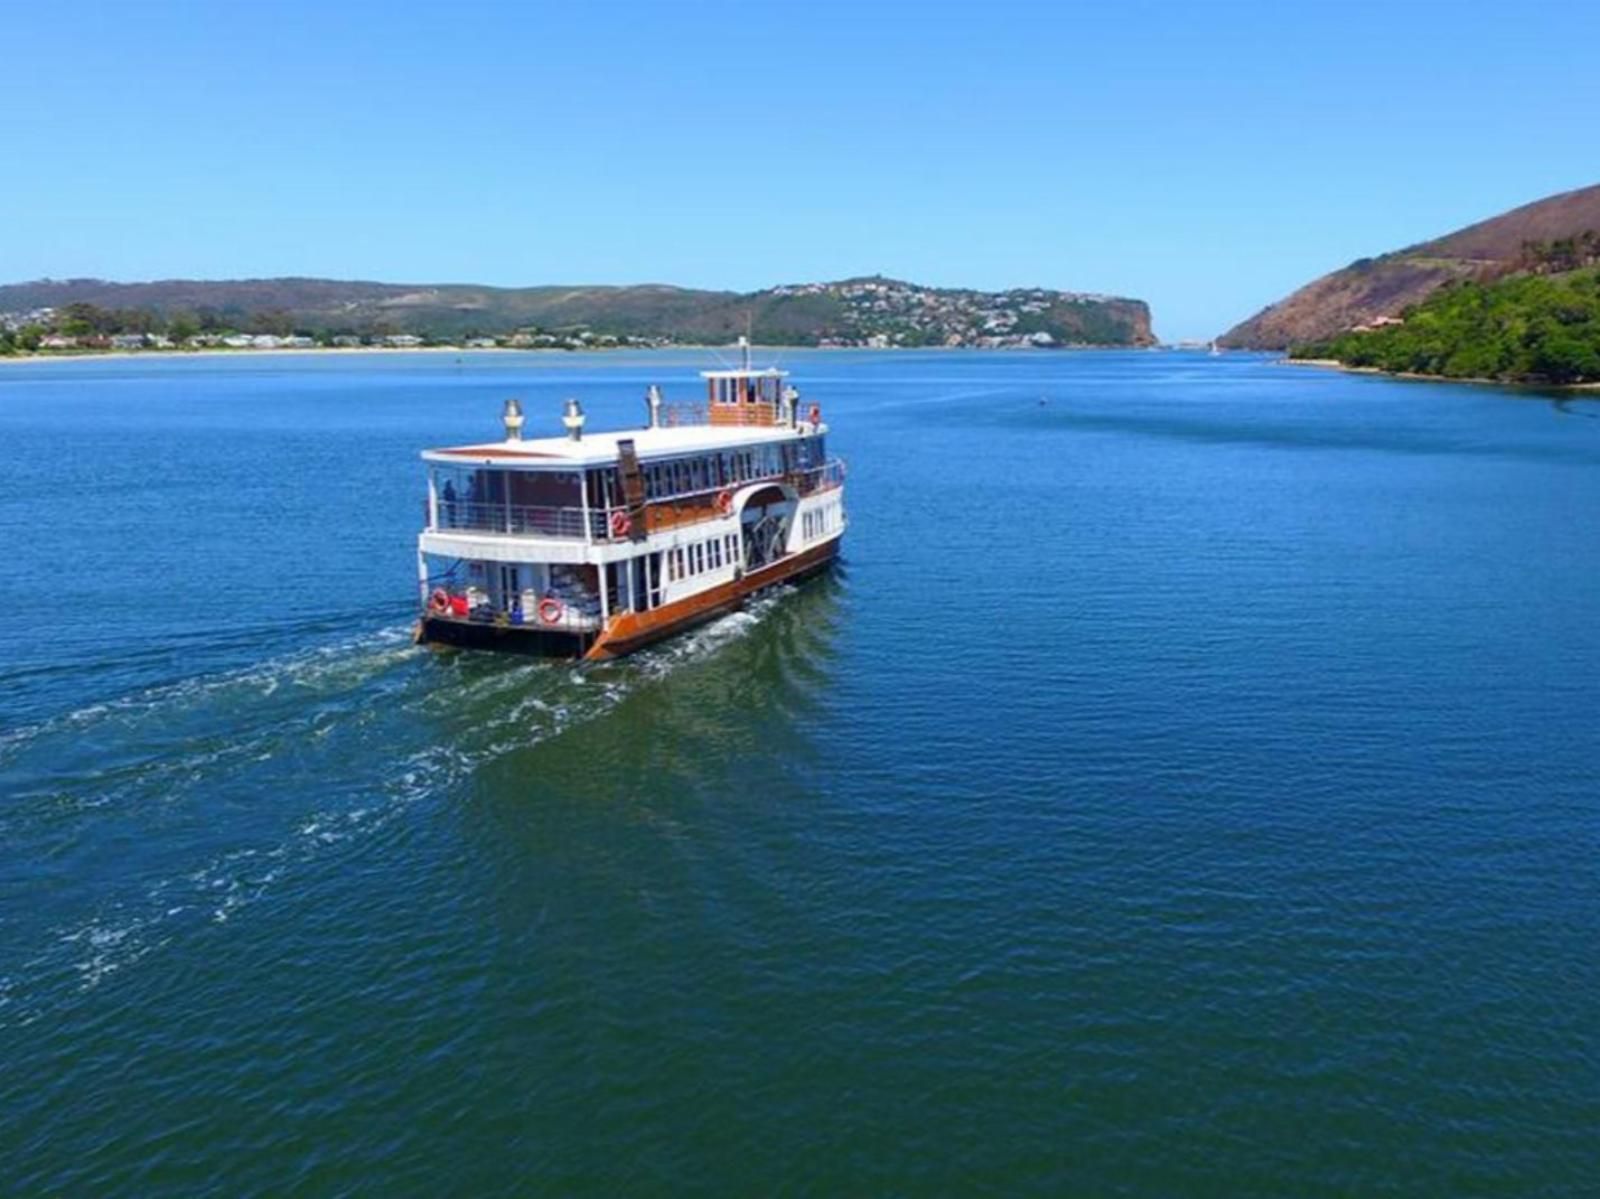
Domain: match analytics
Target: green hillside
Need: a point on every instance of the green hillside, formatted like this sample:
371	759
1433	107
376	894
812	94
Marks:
863	311
1528	328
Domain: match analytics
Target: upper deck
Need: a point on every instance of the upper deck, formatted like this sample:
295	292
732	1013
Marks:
682	467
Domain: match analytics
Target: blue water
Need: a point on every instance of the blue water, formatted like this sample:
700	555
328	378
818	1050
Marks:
1186	784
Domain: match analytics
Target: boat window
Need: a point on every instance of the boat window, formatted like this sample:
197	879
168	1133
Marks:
543	488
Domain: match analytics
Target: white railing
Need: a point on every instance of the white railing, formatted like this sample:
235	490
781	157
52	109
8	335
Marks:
819	478
558	615
519	520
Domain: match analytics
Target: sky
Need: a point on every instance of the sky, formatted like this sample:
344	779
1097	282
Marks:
1206	158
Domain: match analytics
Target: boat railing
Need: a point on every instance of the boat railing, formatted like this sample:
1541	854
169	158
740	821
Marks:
818	478
676	415
564	614
761	415
525	520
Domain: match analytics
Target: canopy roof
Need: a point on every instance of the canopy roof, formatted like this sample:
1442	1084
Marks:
600	449
747	372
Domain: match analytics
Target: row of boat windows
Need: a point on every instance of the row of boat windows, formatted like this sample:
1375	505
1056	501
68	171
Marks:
708	472
819	521
686	561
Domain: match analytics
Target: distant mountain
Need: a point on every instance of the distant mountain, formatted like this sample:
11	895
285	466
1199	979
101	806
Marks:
870	310
1371	288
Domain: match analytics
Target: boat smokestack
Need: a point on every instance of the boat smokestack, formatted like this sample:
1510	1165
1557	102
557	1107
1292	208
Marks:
513	419
573	420
652	399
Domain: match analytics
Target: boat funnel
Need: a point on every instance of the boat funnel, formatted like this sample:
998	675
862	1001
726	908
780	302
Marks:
652	400
573	420
513	419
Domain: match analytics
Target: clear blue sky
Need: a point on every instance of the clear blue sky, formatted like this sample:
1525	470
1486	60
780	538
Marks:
1204	157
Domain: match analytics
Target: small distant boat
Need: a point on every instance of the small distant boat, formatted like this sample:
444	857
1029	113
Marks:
591	546
1216	350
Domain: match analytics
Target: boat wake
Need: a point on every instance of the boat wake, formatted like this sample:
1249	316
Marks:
142	818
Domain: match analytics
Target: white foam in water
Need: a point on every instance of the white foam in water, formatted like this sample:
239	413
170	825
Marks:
83	957
348	662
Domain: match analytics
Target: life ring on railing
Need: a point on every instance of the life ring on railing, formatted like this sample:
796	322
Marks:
439	601
550	610
815	415
724	501
620	523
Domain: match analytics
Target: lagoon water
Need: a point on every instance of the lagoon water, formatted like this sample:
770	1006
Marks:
1187	784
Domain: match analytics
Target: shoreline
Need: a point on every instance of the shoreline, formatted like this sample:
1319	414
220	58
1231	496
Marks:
1417	377
317	351
213	352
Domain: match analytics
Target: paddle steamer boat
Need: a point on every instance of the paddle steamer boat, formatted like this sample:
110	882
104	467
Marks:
594	544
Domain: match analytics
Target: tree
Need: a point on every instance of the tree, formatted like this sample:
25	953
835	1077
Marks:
182	327
82	320
276	322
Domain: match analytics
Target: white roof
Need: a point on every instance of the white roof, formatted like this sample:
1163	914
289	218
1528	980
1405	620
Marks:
748	372
600	449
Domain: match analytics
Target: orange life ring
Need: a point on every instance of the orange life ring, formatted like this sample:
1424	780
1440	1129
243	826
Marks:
550	610
816	414
620	523
439	601
724	502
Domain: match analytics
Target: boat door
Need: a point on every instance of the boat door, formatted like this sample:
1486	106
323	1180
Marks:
509	580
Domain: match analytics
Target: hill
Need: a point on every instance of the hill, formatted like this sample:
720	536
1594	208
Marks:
1371	288
1524	328
871	310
